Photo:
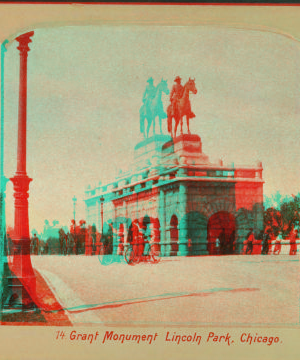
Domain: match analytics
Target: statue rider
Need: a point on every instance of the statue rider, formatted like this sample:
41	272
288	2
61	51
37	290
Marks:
176	94
149	93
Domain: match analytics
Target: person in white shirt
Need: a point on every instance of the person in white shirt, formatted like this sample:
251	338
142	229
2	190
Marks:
217	246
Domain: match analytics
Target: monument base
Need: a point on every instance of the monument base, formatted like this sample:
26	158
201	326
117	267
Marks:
188	150
148	152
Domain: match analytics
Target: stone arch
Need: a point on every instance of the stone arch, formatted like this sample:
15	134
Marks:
222	204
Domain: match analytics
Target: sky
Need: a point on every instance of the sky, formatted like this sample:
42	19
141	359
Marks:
85	89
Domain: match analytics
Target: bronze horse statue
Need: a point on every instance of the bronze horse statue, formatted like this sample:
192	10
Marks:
183	108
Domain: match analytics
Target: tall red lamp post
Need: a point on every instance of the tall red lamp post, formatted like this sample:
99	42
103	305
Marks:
23	279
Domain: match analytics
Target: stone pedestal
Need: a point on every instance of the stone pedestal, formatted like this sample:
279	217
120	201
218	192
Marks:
148	152
189	150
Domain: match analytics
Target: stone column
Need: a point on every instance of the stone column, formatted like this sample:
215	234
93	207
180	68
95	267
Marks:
162	221
168	241
183	224
23	281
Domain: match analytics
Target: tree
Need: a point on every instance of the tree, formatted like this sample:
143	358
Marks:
284	213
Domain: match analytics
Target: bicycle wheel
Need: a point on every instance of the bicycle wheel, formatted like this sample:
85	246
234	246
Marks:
105	255
154	252
109	257
101	255
130	256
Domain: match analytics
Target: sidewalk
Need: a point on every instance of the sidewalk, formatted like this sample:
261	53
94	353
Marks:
50	312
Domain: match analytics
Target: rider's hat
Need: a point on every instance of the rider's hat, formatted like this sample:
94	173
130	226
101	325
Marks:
178	78
150	80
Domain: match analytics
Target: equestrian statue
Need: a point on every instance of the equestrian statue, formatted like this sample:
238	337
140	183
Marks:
180	105
152	106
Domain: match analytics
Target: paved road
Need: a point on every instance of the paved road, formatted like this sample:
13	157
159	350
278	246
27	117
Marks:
180	291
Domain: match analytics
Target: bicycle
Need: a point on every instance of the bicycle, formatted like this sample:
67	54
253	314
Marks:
132	255
106	254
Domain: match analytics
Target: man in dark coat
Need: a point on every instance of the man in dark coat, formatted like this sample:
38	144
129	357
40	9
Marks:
265	242
222	238
250	240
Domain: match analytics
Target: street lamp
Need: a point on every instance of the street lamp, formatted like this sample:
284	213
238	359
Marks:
74	208
101	200
74	217
23	281
4	271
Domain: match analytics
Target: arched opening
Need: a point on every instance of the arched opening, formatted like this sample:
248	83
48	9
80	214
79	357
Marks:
221	226
174	235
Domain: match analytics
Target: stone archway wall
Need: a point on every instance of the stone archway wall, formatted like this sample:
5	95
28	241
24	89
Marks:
205	208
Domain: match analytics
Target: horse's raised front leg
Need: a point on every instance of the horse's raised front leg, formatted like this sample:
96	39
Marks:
181	123
153	126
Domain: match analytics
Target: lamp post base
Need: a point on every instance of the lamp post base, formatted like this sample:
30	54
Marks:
16	292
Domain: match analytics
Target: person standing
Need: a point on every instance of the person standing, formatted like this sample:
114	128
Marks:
265	242
250	240
36	244
61	240
277	247
293	236
217	246
71	244
32	246
222	238
46	248
190	247
65	244
231	246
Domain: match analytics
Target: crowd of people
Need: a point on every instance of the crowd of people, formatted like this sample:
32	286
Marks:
89	241
269	238
224	245
81	239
